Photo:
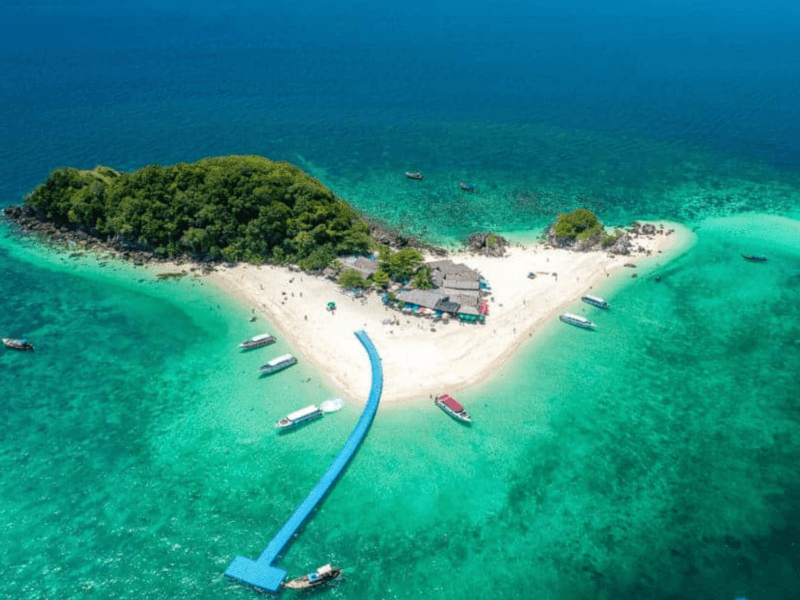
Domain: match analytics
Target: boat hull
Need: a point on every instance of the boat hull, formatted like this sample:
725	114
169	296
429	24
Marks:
582	323
21	345
250	344
305	582
598	302
288	423
754	258
270	369
461	416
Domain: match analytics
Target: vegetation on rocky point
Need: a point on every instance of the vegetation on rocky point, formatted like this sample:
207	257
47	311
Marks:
235	207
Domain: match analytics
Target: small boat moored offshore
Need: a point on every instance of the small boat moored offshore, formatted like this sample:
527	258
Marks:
414	175
257	341
754	258
449	405
594	301
18	344
467	187
299	416
277	364
318	577
577	320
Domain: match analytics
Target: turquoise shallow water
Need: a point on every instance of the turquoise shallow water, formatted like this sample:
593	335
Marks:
655	458
652	458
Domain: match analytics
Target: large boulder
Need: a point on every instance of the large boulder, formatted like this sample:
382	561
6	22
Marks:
621	246
572	243
648	229
487	244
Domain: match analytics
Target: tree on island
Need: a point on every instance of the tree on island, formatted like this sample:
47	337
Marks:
581	230
580	224
423	279
352	279
380	278
400	265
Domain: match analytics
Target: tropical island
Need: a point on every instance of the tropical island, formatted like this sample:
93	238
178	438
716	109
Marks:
280	243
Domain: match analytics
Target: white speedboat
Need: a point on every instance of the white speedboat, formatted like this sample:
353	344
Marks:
257	341
278	364
595	301
299	416
577	320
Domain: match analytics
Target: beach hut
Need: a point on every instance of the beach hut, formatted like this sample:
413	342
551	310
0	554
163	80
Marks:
364	266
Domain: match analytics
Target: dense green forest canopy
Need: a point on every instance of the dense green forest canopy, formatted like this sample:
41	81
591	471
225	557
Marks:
580	224
236	207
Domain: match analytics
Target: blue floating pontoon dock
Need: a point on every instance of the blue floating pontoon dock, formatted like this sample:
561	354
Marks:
260	573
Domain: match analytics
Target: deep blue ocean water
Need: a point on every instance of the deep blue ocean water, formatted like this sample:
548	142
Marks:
656	459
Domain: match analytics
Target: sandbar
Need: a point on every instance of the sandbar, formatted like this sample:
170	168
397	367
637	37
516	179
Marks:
422	357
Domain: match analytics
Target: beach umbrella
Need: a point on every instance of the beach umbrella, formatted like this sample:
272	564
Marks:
331	305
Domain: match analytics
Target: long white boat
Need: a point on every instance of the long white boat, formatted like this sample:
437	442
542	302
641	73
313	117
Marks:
277	364
577	320
299	416
594	301
257	341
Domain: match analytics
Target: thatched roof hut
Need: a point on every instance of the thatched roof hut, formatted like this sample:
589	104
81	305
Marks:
448	291
447	271
424	298
462	285
364	266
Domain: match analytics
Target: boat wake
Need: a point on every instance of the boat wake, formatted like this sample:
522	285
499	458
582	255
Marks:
332	405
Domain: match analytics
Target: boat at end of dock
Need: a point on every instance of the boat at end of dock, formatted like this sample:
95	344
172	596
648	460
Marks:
323	574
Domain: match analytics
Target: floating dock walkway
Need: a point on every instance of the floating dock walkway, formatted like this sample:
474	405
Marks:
260	573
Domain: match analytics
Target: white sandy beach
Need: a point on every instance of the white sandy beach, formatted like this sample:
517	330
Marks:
417	360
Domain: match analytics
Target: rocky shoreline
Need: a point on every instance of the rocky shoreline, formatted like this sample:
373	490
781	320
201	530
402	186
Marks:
625	244
28	222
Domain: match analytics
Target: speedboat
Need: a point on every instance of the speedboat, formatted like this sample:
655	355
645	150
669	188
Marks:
278	364
414	175
318	577
308	413
577	320
257	341
467	187
449	405
18	344
595	301
754	258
